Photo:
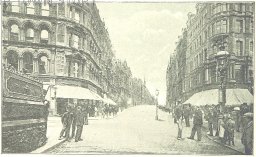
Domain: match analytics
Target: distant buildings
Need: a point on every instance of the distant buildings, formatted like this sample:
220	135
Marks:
192	68
67	46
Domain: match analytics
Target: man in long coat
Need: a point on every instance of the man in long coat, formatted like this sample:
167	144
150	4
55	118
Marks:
197	124
80	120
247	137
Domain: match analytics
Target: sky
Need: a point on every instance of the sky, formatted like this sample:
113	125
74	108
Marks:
144	34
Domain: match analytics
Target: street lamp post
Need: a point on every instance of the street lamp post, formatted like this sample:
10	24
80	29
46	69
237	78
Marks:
157	93
222	59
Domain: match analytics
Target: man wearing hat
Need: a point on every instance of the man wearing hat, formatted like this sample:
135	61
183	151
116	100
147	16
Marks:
178	115
247	137
80	120
66	120
197	124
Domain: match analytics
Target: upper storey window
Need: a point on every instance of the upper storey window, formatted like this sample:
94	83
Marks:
15	7
239	7
30	35
77	18
75	41
14	32
239	26
30	8
44	37
45	9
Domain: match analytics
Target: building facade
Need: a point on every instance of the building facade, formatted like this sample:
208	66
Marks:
214	27
63	44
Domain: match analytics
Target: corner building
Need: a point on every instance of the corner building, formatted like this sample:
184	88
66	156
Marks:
65	45
230	25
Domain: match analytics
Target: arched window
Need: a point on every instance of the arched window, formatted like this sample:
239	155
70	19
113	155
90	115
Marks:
43	64
14	32
15	7
28	62
12	60
30	35
44	37
45	9
30	8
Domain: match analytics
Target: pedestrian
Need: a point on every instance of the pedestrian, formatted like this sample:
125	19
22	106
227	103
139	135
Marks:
73	113
179	119
186	115
197	124
80	120
230	130
247	136
66	120
209	118
236	118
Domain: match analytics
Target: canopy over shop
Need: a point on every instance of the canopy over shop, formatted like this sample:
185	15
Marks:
74	94
234	97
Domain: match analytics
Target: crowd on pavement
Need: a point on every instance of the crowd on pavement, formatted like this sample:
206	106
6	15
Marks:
223	122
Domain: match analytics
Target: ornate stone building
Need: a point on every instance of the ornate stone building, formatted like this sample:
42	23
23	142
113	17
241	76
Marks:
66	45
215	25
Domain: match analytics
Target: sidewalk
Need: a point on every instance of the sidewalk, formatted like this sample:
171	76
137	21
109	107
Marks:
53	132
239	147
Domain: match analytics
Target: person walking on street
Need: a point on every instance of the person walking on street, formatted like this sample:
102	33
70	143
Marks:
197	124
186	115
178	115
247	137
80	119
230	130
66	120
73	113
209	118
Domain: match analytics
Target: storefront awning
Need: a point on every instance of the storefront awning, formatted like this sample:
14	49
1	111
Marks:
233	97
64	91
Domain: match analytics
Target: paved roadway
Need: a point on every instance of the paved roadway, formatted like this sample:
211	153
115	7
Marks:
135	131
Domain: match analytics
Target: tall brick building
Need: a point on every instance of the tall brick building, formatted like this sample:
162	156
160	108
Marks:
228	24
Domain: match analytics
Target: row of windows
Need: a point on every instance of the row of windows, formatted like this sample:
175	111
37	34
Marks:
74	69
14	34
217	8
218	27
202	57
30	8
13	61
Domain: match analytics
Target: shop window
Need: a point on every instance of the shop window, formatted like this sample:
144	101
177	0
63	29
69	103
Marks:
30	8
45	9
44	37
43	64
29	35
15	7
12	60
28	62
14	32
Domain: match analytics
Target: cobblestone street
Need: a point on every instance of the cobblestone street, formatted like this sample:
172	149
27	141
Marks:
135	130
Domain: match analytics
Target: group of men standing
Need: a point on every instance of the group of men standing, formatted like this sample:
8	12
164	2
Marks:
220	124
182	112
74	117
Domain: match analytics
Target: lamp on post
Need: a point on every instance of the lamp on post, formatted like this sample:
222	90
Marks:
157	93
222	60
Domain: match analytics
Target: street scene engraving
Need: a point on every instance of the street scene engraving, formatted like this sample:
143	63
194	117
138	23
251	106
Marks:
128	78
